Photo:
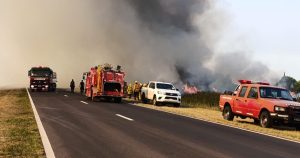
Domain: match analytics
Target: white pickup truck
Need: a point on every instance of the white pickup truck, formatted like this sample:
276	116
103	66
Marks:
161	92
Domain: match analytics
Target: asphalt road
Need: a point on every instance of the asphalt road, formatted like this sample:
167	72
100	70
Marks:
102	129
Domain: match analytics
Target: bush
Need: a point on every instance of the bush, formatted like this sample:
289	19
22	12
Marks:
201	99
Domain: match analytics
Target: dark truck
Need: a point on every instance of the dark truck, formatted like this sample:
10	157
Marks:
42	79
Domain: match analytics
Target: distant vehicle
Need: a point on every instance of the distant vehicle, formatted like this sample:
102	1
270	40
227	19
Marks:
161	92
104	82
42	79
262	102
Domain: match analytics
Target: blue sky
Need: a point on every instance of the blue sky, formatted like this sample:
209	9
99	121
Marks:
271	29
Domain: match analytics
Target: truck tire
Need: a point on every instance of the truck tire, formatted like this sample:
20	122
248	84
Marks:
92	97
155	101
117	100
265	119
227	113
144	100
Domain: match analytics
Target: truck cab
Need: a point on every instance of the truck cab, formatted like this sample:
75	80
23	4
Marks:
42	79
260	101
161	92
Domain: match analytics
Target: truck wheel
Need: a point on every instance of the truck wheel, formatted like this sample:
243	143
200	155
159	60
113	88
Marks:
144	100
155	101
117	100
265	119
227	113
91	94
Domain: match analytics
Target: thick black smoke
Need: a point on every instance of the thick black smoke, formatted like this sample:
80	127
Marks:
167	40
169	16
174	19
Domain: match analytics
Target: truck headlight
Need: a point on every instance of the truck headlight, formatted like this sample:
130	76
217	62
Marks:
278	108
159	92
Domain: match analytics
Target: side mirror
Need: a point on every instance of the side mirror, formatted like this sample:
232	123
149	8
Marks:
295	99
177	89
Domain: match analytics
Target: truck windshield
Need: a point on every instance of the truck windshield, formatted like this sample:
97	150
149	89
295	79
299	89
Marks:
275	93
40	72
165	86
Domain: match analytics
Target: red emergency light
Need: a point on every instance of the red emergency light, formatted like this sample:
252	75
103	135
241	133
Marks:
251	82
245	82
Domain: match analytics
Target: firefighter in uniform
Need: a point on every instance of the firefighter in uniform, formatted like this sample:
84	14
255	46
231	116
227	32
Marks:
81	87
72	86
136	90
129	91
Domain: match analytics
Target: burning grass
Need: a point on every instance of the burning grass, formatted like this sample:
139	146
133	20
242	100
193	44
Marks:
19	135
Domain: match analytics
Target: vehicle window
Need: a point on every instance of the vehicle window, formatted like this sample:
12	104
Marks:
243	91
152	85
275	93
165	86
41	72
253	93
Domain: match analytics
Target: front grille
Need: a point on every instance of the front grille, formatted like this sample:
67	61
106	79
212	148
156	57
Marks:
294	111
171	94
172	98
39	82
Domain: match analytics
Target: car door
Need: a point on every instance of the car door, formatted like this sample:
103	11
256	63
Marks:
240	101
151	90
253	103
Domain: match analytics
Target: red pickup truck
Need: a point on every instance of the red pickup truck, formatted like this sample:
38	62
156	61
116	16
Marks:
260	101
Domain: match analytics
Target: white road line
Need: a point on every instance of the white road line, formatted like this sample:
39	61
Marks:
47	108
231	126
66	95
46	143
84	102
124	117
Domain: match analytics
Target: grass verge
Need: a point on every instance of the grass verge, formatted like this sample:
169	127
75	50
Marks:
19	135
212	114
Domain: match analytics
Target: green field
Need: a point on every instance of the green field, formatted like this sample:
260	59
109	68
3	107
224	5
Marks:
19	135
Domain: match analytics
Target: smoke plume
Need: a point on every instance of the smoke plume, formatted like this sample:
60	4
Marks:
169	40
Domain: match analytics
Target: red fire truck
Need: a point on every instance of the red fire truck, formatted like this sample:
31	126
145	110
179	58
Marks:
42	78
104	82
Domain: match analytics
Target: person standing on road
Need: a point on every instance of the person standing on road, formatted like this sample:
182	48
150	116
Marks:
81	87
72	86
136	89
129	91
140	91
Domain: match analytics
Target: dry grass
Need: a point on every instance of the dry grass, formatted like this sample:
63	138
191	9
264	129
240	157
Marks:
214	115
19	136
